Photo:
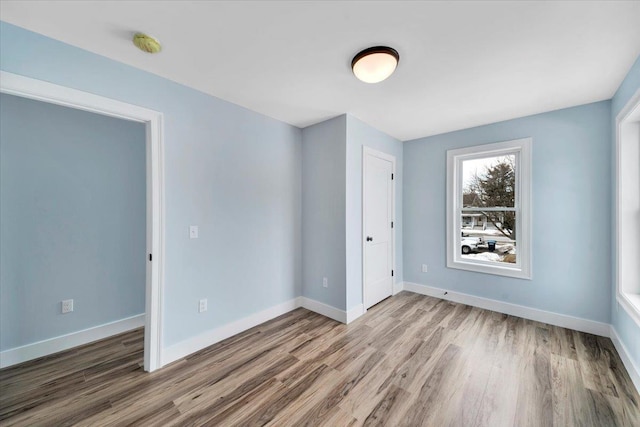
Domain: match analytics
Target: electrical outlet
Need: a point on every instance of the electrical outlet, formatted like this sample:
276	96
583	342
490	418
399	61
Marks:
67	306
424	268
193	231
325	282
202	306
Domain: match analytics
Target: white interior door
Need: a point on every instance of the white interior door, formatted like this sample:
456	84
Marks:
377	226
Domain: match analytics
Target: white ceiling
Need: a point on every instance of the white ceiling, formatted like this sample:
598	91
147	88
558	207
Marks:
462	64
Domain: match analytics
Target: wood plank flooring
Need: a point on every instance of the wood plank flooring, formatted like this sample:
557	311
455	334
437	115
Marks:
411	360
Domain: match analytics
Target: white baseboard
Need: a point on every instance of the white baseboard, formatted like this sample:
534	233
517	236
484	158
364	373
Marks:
398	287
331	312
563	320
27	352
632	368
324	309
191	345
354	313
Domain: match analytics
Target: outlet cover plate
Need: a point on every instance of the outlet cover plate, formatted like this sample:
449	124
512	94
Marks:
202	305
67	306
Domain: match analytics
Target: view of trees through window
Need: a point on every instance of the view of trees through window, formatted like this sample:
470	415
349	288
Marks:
489	209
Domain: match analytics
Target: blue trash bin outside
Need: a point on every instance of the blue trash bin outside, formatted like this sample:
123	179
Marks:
492	245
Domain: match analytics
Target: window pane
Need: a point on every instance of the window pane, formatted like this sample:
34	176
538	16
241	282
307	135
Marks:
489	182
489	236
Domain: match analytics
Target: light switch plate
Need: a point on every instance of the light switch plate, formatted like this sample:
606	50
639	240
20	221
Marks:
193	231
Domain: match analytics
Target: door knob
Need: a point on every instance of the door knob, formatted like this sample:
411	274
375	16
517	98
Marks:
369	239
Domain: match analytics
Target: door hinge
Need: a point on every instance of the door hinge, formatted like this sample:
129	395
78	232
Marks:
391	273
391	177
150	257
391	224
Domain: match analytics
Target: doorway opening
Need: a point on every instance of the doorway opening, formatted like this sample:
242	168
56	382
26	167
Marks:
25	87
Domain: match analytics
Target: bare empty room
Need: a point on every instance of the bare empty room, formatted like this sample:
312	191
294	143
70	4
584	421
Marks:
319	213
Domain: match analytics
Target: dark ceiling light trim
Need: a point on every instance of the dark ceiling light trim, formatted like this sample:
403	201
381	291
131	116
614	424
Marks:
375	64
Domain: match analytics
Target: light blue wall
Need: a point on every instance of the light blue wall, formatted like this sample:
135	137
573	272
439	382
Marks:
238	175
625	326
571	212
234	173
360	134
332	207
72	220
323	211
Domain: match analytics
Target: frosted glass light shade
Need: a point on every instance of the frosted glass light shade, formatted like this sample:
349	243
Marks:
375	64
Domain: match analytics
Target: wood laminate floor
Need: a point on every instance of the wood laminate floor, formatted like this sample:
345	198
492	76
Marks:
411	360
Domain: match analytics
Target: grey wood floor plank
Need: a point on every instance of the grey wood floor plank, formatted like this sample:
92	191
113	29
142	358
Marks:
425	402
411	360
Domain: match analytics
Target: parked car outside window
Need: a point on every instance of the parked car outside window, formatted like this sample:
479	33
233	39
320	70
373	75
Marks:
469	244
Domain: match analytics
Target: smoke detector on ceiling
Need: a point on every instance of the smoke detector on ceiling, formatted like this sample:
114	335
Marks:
147	43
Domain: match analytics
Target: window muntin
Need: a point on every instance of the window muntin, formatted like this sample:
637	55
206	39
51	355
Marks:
488	208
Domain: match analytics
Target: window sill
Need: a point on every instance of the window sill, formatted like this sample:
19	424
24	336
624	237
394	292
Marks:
515	272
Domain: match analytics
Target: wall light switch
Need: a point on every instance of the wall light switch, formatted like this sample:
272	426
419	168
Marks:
202	306
325	282
424	268
193	231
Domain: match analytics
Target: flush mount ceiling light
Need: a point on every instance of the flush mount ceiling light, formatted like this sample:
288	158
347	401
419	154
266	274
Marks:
146	43
375	64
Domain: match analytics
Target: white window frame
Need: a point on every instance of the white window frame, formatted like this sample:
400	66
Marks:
626	202
521	148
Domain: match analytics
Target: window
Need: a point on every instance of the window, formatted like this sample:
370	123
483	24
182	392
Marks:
488	208
628	207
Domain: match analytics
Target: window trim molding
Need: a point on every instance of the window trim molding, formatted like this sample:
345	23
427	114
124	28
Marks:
523	270
629	302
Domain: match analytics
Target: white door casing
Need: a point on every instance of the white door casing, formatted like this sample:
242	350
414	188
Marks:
26	87
378	212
